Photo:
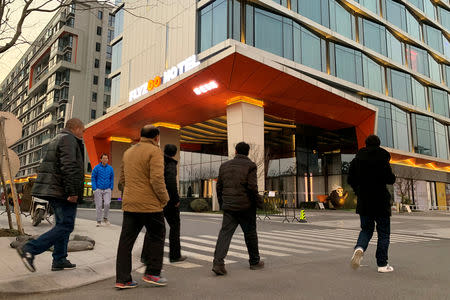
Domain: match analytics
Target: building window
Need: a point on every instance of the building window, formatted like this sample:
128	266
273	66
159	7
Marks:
110	35
384	130
444	17
108	52
106	101
374	36
348	64
95	81
111	20
341	21
107	68
398	15
439	102
93	113
116	60
373	75
100	15
107	85
315	10
399	86
97	47
374	6
213	24
423	135
433	38
115	90
99	30
395	48
96	63
417	59
94	97
419	94
118	23
441	140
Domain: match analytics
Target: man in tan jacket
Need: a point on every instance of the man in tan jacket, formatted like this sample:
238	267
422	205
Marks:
144	197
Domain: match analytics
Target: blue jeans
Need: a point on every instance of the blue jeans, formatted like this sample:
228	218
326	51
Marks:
383	230
58	236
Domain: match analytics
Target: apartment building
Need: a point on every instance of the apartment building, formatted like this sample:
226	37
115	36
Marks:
63	74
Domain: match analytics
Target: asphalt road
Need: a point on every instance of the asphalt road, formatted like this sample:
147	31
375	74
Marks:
303	261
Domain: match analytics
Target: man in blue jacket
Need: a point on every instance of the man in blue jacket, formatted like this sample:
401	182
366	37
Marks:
102	185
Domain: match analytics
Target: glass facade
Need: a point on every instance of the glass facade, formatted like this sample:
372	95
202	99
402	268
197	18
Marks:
439	102
116	60
423	135
118	23
213	24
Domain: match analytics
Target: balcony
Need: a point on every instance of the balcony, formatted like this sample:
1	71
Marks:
50	105
49	121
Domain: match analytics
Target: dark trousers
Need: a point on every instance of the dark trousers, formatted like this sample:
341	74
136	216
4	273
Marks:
153	243
247	221
383	226
58	236
172	215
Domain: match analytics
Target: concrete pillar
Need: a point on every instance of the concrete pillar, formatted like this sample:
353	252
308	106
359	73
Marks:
245	123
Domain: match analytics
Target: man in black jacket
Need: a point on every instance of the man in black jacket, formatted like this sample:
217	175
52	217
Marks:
237	193
60	180
171	210
369	173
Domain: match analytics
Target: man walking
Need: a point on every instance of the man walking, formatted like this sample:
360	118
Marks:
172	211
237	193
60	180
144	198
369	173
102	184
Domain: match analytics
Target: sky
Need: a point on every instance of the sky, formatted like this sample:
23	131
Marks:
33	25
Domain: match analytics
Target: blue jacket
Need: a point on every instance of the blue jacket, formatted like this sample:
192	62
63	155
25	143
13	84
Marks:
102	177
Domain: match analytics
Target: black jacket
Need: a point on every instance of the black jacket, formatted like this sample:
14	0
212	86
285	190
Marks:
237	186
61	173
170	177
369	173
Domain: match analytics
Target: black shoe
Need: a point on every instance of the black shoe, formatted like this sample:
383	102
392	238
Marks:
219	269
27	259
63	265
181	258
257	266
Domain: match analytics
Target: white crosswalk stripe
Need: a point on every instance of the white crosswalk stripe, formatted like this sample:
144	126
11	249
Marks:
278	243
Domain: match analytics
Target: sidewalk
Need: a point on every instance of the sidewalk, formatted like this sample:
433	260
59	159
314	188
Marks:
92	265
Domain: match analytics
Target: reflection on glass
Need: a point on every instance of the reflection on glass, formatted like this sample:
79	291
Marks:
441	140
373	75
439	102
400	129
268	31
424	142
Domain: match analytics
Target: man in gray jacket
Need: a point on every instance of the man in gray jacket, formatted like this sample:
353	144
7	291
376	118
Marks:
237	192
60	180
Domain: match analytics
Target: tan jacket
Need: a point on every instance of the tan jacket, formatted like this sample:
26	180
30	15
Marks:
142	175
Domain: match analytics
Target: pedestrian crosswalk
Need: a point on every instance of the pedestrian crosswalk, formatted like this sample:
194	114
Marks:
277	243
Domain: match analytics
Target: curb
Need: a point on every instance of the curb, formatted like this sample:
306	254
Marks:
58	281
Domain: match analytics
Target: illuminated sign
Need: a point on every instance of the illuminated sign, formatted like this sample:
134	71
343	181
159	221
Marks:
184	66
204	88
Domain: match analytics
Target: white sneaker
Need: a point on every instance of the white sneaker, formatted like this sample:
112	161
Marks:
99	224
357	257
386	269
106	221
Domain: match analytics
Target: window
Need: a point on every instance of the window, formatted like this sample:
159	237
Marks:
111	20
268	31
115	90
441	140
100	15
118	23
94	97
399	86
444	17
447	74
429	9
423	135
317	10
433	38
311	54
107	85
116	60
395	48
107	68
97	47
348	64
95	81
439	101
96	63
398	15
384	130
110	35
435	69
106	101
419	94
400	129
213	24
417	59
373	75
99	30
108	52
374	36
341	20
93	113
374	6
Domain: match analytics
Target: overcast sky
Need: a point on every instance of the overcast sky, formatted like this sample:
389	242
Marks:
33	25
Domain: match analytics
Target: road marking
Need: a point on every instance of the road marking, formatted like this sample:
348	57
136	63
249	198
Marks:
303	241
211	250
208	242
240	240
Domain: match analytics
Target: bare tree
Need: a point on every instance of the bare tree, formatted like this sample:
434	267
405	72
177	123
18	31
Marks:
404	187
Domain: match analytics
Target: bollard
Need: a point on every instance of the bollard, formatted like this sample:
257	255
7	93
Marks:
302	218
